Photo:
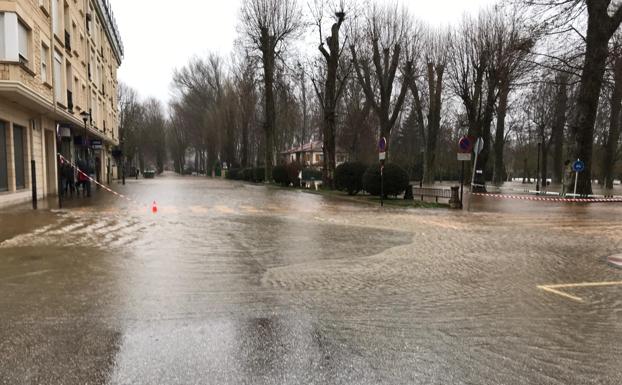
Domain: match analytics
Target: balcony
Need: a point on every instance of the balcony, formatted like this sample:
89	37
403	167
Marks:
70	101
67	41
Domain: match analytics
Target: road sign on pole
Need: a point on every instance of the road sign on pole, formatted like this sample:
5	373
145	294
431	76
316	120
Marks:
382	156
577	167
382	144
479	146
466	145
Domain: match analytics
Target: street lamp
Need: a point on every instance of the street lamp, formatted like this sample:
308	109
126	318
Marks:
86	116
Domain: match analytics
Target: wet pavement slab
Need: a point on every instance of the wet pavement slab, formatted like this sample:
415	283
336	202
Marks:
233	283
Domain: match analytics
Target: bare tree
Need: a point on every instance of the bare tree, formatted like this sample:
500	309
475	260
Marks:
611	146
434	61
603	19
381	48
267	26
333	86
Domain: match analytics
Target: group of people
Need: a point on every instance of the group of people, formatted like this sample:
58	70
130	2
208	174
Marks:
74	181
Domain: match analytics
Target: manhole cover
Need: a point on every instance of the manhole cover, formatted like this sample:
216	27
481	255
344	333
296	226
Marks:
615	261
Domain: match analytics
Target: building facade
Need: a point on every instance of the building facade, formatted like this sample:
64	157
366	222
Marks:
58	92
312	155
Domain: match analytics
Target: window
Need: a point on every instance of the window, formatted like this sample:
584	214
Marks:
2	47
45	54
58	77
44	4
4	180
18	151
23	37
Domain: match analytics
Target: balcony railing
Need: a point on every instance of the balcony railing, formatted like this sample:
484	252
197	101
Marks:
67	41
69	101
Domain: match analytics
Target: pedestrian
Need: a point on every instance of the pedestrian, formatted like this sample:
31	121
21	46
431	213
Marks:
69	179
137	172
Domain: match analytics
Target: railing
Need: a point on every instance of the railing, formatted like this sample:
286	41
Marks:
69	101
67	41
437	193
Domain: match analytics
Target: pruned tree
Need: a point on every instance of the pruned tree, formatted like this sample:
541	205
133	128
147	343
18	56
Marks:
603	20
378	53
267	26
429	86
333	84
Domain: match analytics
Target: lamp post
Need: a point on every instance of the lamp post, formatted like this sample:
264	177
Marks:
86	116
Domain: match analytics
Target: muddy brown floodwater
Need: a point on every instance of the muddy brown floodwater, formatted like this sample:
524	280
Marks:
233	283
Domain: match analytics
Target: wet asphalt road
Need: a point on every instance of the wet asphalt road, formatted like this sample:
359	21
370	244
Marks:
242	284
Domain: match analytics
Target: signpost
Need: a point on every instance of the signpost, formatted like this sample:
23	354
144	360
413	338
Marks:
382	156
464	155
577	167
479	146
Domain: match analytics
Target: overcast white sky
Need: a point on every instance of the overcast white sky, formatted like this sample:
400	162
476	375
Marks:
160	35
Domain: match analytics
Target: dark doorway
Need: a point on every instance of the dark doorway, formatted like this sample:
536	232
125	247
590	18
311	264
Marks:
4	164
18	148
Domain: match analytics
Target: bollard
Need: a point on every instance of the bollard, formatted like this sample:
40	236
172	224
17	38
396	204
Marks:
454	202
408	195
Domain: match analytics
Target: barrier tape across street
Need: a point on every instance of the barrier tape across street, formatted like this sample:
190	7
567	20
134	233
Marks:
547	199
65	160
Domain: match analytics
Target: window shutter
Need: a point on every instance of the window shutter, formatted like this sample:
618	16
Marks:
22	35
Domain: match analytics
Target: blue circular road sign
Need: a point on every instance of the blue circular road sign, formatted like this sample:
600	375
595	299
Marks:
578	166
382	144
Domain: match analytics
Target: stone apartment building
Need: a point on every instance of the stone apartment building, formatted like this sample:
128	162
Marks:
58	92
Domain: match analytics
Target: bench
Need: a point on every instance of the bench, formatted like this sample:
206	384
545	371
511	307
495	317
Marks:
436	193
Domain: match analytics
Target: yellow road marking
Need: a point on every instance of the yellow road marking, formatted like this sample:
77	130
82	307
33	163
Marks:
249	209
224	209
199	209
554	288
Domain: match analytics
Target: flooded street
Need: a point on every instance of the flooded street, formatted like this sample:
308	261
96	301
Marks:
232	283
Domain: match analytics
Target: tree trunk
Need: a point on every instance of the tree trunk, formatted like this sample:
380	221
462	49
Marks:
557	134
611	146
544	168
268	57
435	84
597	41
499	166
331	97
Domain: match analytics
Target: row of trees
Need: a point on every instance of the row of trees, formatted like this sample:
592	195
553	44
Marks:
541	75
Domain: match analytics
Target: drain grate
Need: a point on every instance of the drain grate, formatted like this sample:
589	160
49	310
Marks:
615	260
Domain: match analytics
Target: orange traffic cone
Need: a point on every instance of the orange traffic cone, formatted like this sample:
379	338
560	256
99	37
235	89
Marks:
154	207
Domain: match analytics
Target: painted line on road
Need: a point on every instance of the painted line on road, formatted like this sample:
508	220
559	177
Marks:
554	288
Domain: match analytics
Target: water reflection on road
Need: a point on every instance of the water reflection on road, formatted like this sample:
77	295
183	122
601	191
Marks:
243	284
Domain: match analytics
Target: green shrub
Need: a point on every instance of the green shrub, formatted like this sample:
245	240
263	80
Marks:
395	180
259	174
311	174
234	174
279	174
247	174
349	177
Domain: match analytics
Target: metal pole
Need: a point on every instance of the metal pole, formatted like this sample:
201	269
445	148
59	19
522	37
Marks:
33	169
474	168
462	183
381	183
33	172
538	168
576	182
60	182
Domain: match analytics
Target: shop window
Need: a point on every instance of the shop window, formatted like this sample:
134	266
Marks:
4	180
19	153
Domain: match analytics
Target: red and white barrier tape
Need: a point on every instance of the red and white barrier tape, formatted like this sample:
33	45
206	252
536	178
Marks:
63	159
548	199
